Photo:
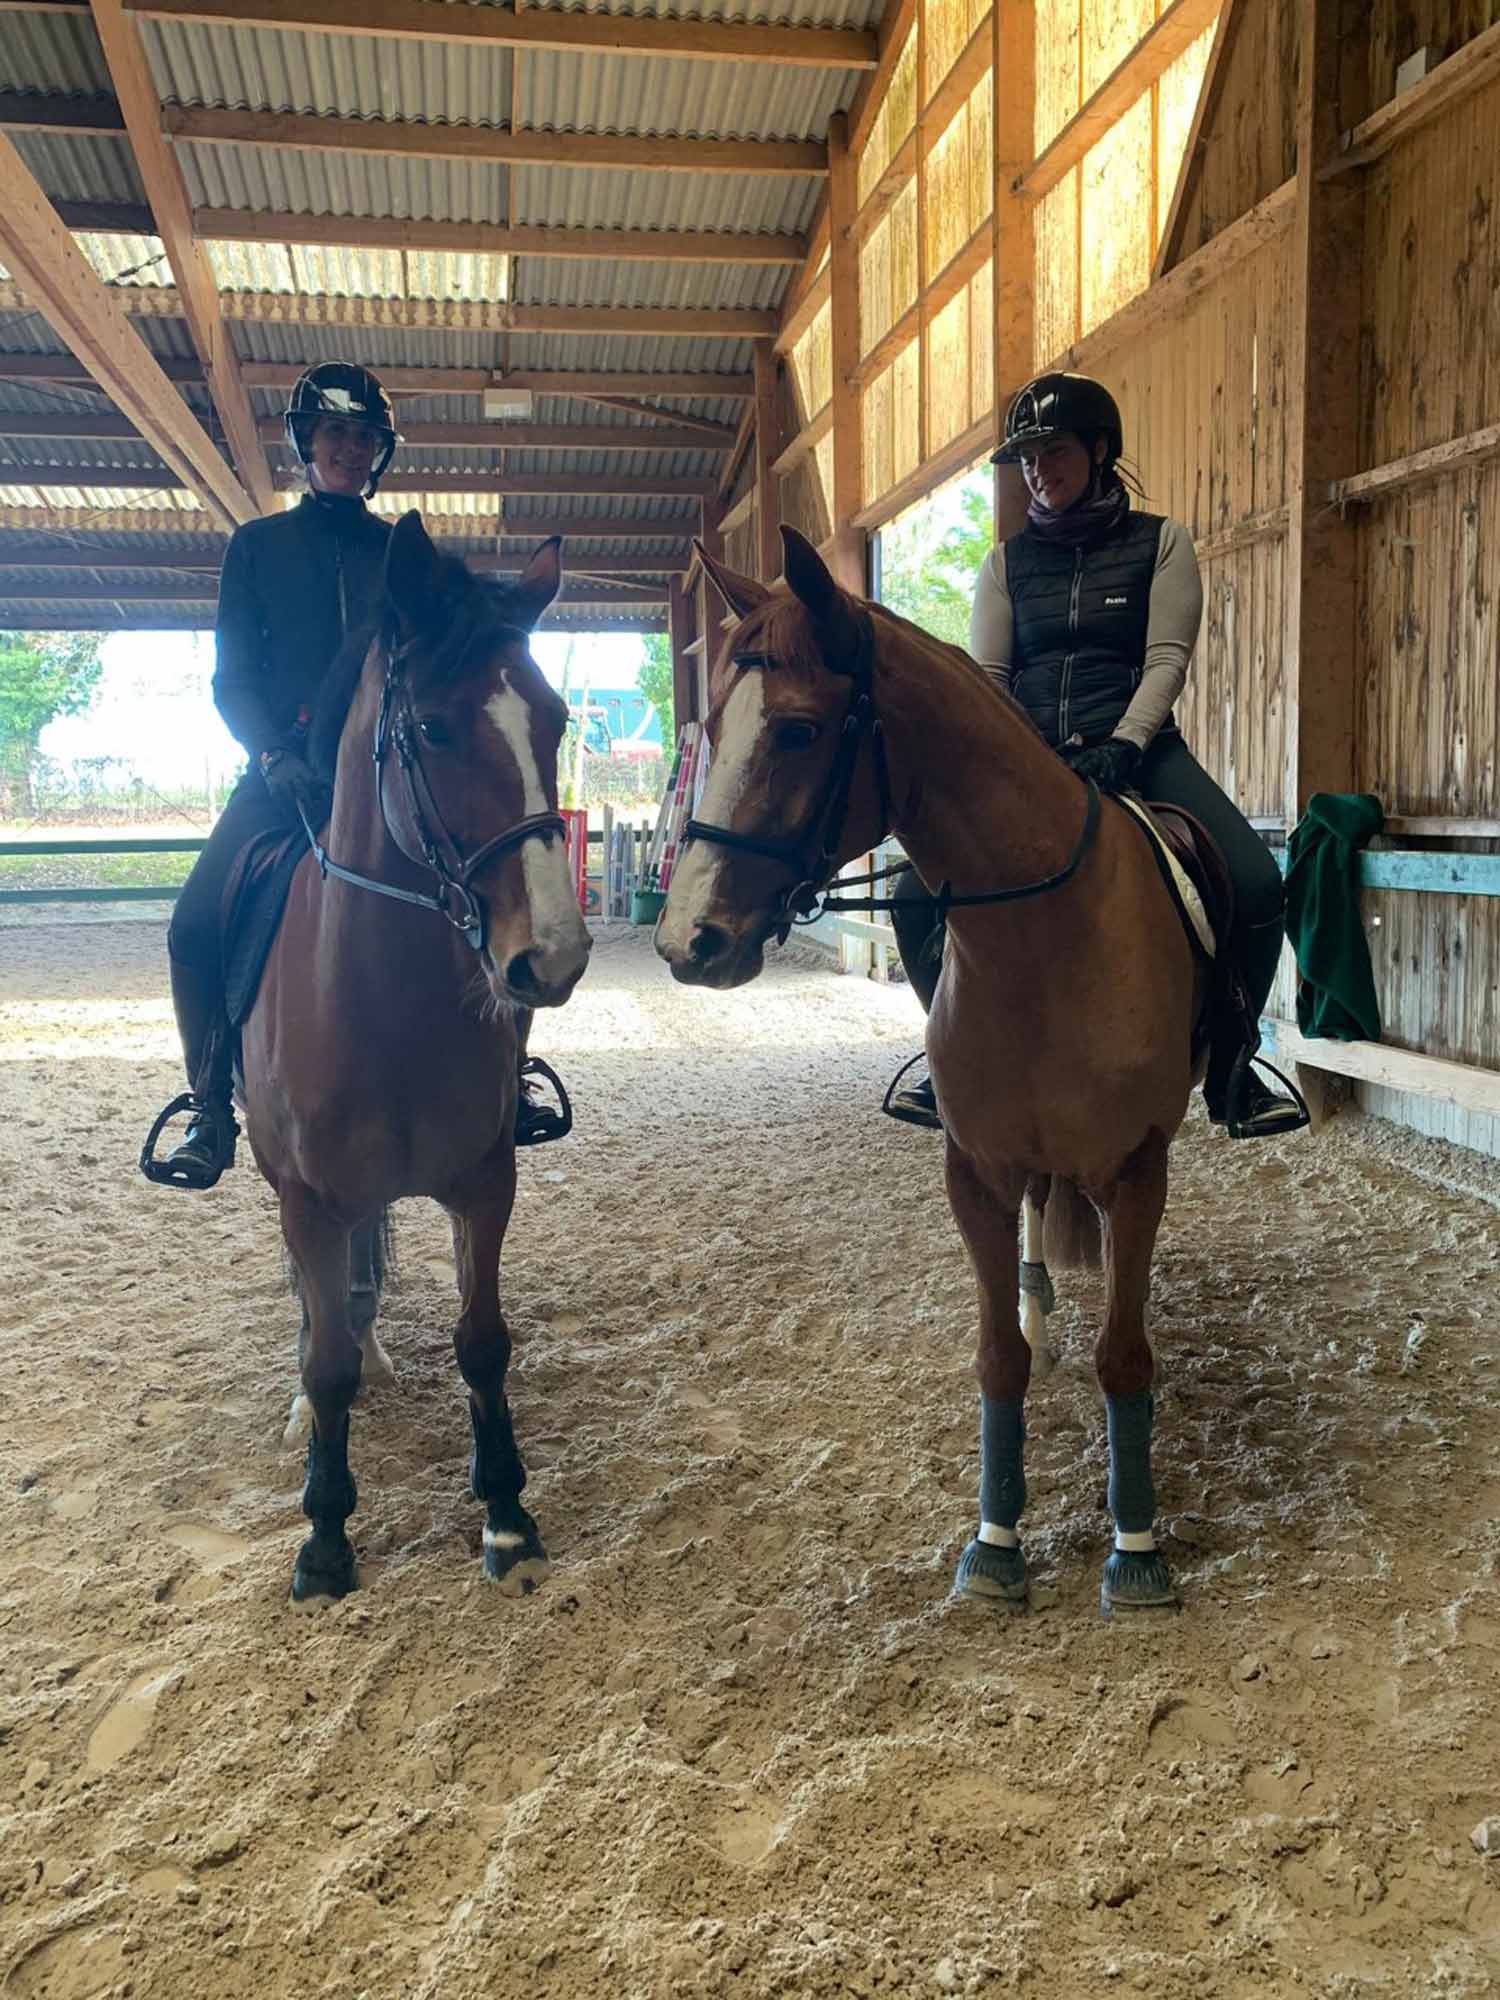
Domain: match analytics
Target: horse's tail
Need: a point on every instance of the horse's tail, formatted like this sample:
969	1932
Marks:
1073	1239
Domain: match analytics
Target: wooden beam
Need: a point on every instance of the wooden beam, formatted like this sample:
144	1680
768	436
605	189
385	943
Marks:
86	314
196	287
120	478
1154	54
497	436
482	239
767	447
898	173
709	435
807	440
796	322
90	559
601	484
584	383
734	518
67	116
434	315
1462	1084
543	31
1468	69
66	424
580	527
1267	526
956	88
1014	24
1438	460
68	368
938	469
132	590
679	635
1169	250
1320	643
848	437
413	140
729	471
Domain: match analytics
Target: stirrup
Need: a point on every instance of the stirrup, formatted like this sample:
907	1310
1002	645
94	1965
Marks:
908	1114
1271	1122
163	1172
539	1124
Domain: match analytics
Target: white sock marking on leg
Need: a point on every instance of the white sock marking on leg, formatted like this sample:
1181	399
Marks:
1032	1233
502	1538
998	1538
1134	1545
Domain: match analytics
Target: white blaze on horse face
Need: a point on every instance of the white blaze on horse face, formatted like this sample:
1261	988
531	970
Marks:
556	921
695	881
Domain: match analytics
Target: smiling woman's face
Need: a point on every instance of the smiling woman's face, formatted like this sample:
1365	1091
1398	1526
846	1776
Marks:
341	452
1057	473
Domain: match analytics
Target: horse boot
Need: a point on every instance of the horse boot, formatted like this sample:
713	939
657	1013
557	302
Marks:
206	1150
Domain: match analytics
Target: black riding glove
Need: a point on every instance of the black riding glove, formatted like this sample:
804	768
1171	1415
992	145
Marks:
294	785
1112	764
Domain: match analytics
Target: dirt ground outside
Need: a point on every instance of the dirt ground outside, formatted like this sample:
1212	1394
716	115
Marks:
743	1743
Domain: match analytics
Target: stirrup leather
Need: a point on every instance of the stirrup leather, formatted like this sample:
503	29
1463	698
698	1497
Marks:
162	1172
539	1124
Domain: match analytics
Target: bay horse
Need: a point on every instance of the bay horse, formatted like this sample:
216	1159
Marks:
1060	1040
379	1057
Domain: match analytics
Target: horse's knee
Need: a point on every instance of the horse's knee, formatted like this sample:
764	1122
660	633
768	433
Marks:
331	1373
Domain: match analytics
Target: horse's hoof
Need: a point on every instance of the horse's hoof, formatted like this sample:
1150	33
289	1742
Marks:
996	1575
513	1555
1137	1581
325	1568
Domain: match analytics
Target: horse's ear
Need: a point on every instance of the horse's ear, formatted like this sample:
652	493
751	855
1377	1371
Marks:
807	573
741	593
413	573
537	585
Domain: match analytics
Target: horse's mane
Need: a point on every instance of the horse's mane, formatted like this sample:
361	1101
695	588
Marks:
473	615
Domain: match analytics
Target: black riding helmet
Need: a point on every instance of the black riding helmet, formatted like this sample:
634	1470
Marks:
340	389
1054	404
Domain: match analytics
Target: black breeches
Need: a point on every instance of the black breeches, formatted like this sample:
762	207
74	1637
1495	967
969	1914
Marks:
1171	773
193	937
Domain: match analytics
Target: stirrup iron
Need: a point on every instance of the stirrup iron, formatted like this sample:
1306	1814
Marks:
542	1123
162	1172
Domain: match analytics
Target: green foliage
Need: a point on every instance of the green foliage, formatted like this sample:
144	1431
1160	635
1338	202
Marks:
654	679
42	675
929	561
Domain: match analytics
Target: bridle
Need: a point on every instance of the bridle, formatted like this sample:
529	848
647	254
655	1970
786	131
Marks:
454	897
814	858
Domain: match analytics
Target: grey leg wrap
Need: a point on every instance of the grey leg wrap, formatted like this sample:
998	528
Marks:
1002	1476
1132	1499
1036	1282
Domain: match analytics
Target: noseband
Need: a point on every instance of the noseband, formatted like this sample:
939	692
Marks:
454	896
814	859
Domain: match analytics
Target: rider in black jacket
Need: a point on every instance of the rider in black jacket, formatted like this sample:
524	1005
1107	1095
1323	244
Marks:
1088	618
292	588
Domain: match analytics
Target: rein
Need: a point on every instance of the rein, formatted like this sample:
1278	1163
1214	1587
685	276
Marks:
814	858
454	897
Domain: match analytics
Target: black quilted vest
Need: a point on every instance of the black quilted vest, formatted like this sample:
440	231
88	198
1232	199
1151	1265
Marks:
1080	627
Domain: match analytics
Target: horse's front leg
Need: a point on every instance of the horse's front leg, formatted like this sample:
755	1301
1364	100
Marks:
992	1566
1136	1577
330	1358
513	1553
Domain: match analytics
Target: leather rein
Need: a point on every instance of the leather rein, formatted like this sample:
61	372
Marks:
814	858
454	896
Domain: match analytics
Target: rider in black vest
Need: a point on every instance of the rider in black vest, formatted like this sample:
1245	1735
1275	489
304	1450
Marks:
293	587
1088	618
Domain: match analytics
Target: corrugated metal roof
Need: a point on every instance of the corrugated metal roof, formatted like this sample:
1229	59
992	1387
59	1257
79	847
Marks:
781	13
560	91
706	354
110	454
126	260
52	52
168	499
582	198
379	347
81	167
43	399
613	281
368	274
38	584
348	76
666	515
299	181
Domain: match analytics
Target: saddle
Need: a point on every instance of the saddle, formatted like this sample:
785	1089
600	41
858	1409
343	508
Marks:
255	894
1197	879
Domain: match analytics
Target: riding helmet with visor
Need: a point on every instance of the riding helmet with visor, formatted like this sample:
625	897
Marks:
341	389
1054	405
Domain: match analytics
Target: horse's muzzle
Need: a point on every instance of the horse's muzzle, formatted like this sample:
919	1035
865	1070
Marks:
543	976
709	956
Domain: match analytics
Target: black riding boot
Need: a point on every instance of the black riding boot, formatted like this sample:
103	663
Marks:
919	940
207	1148
1236	1097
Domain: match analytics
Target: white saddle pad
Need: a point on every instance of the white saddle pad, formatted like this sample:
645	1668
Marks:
1192	902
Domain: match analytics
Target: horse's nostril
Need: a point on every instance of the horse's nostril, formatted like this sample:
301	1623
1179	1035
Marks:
709	943
518	972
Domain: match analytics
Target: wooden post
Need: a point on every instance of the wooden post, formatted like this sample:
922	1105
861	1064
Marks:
767	450
1013	122
1323	433
847	498
684	682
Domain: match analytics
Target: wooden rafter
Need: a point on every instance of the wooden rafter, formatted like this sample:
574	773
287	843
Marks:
86	314
412	139
602	484
704	429
167	195
501	436
544	31
767	449
848	438
1175	30
455	315
1169	250
586	385
204	527
480	239
1014	30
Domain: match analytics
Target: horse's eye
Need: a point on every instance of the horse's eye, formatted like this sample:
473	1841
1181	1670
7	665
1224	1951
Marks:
435	731
794	735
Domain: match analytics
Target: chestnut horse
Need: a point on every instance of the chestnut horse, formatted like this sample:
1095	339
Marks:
1060	1038
379	1058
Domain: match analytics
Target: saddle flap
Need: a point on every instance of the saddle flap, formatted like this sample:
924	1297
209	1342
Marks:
1194	870
255	893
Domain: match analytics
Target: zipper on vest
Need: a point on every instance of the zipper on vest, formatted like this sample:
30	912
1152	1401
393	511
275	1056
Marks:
1065	691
